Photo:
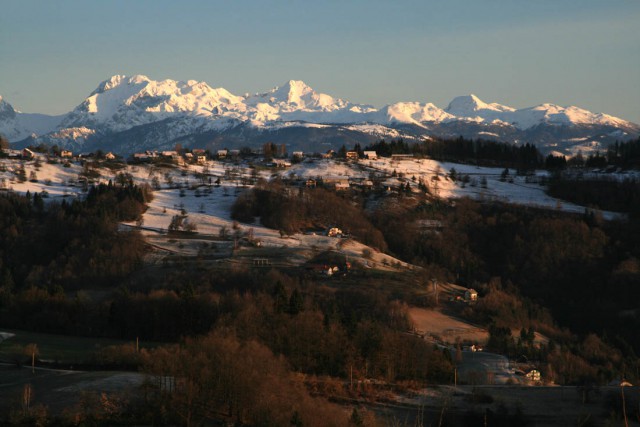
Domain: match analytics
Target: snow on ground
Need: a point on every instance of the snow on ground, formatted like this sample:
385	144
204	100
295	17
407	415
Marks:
58	181
208	206
325	169
516	189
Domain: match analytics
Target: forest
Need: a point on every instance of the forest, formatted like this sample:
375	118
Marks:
461	150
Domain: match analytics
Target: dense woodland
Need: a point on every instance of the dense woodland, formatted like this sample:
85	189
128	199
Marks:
603	192
523	158
475	151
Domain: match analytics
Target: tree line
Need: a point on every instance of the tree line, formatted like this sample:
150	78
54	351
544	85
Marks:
475	151
49	244
294	210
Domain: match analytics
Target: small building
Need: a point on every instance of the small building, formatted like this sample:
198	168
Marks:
471	295
333	180
311	183
352	155
342	186
142	157
297	155
222	154
110	156
370	155
534	375
334	232
201	159
281	163
28	154
198	151
66	154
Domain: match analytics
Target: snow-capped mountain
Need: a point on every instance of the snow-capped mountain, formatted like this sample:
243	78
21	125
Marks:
15	125
128	114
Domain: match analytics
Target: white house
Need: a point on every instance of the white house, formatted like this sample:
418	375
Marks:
370	155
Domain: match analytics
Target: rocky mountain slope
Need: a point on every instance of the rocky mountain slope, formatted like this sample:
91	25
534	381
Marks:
129	114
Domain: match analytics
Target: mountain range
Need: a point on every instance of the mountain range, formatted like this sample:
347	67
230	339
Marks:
129	114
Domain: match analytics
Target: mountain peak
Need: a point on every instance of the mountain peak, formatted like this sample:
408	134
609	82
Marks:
472	106
466	103
118	80
6	109
291	92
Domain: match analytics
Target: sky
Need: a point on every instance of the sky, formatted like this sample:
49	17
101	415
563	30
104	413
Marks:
53	54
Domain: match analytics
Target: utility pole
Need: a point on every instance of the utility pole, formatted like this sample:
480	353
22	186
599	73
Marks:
455	377
435	290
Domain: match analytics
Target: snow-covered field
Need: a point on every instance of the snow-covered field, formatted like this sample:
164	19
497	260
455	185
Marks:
208	206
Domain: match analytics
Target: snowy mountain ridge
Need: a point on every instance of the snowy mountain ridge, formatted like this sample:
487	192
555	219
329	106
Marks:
124	103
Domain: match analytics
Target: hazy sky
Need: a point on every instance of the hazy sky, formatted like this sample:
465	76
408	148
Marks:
517	52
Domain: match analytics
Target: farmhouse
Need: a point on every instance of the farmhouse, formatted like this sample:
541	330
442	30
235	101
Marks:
66	154
352	155
333	180
470	295
370	155
342	186
27	154
334	232
281	163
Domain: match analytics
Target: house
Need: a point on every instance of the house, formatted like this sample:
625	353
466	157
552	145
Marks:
333	180
28	154
352	155
534	375
334	232
198	151
281	163
342	186
66	154
171	154
141	157
311	183
370	155
201	159
110	156
297	155
470	295
222	154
